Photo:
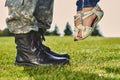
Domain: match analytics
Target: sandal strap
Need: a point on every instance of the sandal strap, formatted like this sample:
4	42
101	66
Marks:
78	16
89	13
87	32
83	28
79	27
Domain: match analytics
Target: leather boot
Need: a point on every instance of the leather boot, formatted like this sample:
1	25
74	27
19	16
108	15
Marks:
29	54
40	38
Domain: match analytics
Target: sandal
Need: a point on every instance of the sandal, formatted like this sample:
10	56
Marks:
86	30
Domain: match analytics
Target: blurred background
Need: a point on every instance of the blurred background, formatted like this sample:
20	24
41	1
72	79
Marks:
64	11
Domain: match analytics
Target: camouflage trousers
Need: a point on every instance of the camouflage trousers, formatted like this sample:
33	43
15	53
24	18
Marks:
27	15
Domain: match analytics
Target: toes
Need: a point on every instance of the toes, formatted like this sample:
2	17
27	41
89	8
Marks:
79	34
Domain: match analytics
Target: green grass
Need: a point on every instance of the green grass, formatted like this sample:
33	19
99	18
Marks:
95	58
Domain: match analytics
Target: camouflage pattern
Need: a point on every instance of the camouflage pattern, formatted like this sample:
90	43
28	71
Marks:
27	15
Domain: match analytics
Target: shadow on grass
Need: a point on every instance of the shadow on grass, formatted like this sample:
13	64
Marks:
61	73
115	70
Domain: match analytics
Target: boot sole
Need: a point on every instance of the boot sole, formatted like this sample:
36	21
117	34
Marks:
32	64
24	64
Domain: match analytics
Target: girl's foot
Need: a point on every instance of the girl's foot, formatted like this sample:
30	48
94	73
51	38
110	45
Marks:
85	21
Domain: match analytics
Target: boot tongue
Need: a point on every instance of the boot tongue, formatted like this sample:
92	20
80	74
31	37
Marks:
41	33
42	37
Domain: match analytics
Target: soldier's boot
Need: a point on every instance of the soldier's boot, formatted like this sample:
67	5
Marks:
40	38
29	54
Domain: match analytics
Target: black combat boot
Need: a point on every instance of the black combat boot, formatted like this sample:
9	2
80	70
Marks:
29	54
40	38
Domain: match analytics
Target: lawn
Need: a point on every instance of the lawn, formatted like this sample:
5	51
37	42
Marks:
95	58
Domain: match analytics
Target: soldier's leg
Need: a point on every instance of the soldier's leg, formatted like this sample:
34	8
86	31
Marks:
22	23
